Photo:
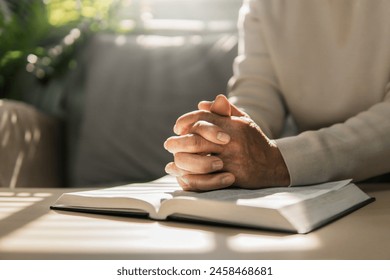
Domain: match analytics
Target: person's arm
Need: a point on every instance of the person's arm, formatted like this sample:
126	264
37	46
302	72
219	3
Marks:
254	87
359	148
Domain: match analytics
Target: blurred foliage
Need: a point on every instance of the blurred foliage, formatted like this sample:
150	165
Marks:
41	36
65	12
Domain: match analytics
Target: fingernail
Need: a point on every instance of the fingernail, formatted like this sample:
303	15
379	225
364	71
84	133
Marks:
167	168
223	137
176	129
185	185
217	165
227	180
185	181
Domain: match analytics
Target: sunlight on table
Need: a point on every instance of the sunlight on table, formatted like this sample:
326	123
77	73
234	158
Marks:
252	243
73	234
12	202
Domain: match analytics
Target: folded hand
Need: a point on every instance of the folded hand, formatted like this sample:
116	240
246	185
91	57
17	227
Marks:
218	146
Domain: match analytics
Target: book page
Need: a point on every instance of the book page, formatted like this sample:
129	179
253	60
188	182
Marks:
319	209
144	196
273	198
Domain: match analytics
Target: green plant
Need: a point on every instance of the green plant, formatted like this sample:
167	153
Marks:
22	25
41	36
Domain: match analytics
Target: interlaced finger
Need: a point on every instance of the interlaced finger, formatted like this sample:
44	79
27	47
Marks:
210	132
191	143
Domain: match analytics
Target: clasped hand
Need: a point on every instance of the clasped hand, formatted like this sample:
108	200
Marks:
219	146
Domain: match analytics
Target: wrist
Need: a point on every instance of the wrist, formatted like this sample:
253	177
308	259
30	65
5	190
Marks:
279	169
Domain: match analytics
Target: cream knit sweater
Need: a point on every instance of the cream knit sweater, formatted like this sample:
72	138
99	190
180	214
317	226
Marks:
327	64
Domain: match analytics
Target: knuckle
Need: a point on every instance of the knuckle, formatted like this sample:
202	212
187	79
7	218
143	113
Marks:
200	127
198	142
195	164
180	162
201	144
204	167
192	182
235	147
172	169
197	128
178	158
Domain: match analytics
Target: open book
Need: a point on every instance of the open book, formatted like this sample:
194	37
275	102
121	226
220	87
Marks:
293	209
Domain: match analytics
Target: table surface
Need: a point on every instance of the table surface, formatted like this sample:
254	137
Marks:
30	230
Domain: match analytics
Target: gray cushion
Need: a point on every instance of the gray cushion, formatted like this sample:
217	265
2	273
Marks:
136	88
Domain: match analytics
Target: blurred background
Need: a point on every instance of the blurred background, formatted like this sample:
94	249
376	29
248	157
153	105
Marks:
113	75
42	36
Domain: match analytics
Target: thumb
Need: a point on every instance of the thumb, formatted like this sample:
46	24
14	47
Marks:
221	106
205	105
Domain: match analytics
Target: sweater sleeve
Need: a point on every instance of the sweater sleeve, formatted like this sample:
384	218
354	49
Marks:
254	86
359	148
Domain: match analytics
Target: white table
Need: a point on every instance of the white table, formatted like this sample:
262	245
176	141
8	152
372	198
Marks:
30	230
